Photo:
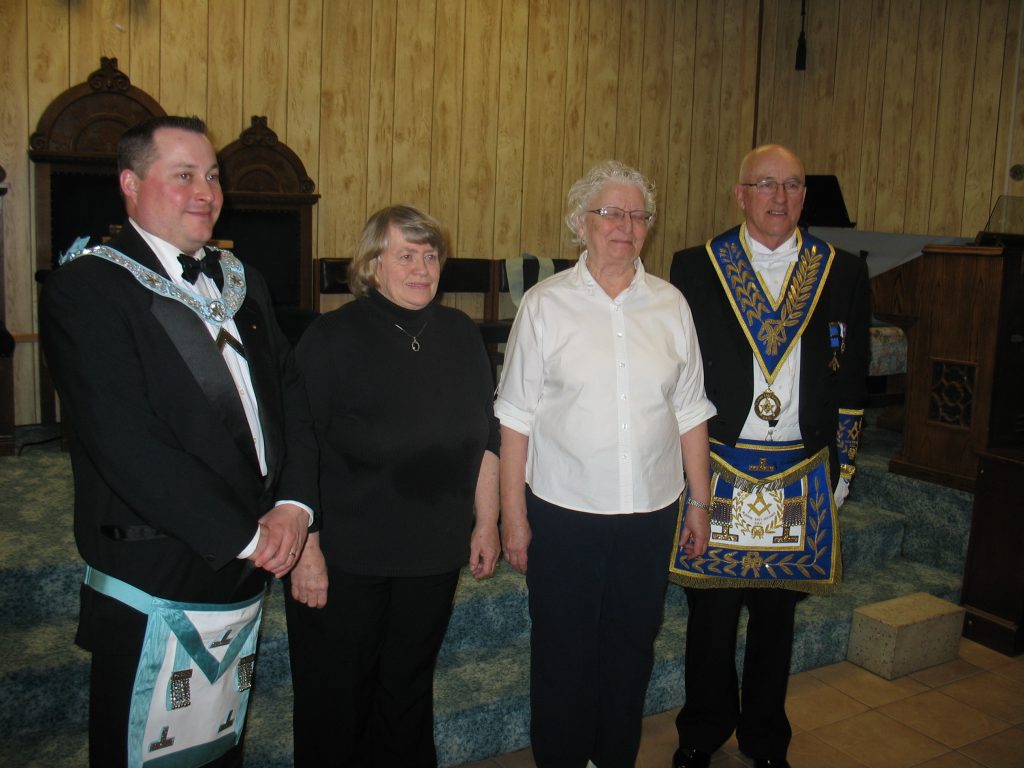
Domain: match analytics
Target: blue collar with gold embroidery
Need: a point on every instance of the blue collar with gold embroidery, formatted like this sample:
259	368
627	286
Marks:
772	325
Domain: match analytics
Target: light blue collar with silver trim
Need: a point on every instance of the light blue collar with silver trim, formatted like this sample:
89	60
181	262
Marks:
216	311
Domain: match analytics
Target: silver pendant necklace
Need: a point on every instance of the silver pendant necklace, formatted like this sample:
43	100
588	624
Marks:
415	341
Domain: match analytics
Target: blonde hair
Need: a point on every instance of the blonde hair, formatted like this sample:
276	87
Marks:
416	227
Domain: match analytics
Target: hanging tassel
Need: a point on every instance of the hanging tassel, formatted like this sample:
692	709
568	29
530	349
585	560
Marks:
801	43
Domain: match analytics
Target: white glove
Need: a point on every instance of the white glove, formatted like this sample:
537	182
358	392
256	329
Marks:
842	491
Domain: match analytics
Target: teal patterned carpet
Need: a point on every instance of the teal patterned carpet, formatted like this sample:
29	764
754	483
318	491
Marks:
899	536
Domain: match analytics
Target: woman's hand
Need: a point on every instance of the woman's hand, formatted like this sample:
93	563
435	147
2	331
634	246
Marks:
515	539
309	576
484	549
696	533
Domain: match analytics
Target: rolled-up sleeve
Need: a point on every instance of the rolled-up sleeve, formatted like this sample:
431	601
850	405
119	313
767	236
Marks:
692	406
522	375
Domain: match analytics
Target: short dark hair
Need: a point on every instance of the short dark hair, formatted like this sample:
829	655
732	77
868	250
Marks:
135	150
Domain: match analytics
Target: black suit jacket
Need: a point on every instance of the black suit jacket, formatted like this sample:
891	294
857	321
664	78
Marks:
168	490
728	369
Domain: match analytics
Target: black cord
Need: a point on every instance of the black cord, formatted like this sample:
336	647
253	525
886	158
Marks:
801	43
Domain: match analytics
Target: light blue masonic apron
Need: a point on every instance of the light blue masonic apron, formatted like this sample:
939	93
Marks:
195	671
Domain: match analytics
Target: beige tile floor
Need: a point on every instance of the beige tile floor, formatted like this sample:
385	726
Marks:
968	713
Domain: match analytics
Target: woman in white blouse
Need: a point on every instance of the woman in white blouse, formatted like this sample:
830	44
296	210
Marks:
602	405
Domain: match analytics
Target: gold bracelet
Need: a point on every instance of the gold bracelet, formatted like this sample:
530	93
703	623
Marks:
691	502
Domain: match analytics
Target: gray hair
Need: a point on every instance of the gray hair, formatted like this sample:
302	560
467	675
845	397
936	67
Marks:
585	189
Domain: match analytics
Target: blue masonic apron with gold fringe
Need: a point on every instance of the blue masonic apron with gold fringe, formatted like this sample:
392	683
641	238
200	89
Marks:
773	521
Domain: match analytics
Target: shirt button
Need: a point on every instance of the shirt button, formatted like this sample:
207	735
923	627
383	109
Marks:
619	334
625	426
622	365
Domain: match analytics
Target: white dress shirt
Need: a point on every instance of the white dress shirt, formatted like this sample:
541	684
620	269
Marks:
603	388
773	268
237	365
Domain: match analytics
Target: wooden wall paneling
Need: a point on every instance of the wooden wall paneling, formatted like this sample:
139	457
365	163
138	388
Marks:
818	96
24	45
47	29
924	120
766	69
381	134
143	63
184	37
98	28
1009	134
415	84
984	124
305	22
544	126
265	81
447	120
705	186
1010	137
225	117
787	94
601	82
581	14
897	116
736	105
446	133
654	87
343	121
479	113
959	48
629	108
509	159
870	119
674	198
845	144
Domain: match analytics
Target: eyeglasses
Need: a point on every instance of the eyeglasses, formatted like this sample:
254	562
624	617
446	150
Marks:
618	214
771	186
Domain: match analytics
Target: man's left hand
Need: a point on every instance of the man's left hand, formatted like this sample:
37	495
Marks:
283	533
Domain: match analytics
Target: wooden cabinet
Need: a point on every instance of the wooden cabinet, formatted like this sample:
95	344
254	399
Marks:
964	360
993	588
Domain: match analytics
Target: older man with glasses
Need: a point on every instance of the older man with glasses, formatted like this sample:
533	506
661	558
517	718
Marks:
782	322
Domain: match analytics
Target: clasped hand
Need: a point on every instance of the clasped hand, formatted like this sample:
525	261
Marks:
283	533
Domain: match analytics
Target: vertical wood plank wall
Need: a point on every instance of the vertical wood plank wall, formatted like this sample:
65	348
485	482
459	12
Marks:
484	111
916	105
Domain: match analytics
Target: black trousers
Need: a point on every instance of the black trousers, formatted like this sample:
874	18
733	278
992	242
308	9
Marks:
714	707
110	695
597	595
363	670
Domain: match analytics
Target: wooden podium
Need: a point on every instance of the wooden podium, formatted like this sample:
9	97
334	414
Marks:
961	305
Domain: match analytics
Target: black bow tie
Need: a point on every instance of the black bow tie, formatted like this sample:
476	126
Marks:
209	265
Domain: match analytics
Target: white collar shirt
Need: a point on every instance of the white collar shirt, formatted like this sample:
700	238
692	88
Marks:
237	365
603	388
773	268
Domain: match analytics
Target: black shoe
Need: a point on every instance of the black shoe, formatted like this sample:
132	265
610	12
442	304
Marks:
778	762
689	757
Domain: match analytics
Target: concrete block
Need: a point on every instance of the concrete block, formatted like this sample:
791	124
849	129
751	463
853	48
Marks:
899	636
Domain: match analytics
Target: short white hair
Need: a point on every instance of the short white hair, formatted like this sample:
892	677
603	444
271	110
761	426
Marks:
585	189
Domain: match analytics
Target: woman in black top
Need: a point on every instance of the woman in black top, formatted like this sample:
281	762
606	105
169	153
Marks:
400	390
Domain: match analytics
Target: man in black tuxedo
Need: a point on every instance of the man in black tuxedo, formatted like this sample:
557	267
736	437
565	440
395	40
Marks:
193	452
782	320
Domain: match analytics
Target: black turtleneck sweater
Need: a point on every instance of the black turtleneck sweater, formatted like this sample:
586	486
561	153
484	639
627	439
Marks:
401	432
